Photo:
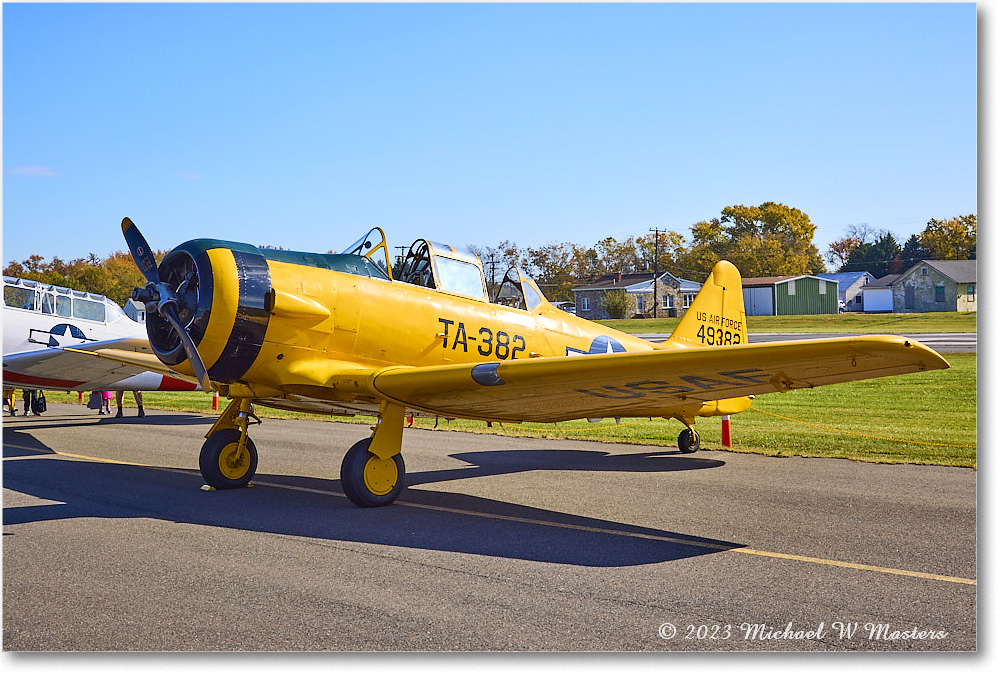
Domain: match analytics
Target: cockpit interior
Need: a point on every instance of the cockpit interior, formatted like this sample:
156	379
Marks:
449	269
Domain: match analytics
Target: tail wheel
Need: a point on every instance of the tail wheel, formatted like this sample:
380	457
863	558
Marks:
688	441
369	481
224	464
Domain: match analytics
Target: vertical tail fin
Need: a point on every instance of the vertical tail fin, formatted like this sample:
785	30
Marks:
716	317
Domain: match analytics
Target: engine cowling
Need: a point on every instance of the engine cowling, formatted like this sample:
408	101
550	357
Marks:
222	291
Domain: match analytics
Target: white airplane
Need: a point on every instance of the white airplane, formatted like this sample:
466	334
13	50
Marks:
40	321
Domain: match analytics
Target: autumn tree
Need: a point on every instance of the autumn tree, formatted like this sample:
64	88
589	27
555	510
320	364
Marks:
661	255
767	240
618	256
115	276
553	267
838	252
952	239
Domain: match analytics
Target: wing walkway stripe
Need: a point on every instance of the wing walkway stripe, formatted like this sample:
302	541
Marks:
580	528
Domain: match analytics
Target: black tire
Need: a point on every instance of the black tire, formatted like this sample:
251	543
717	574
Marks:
369	481
689	441
221	467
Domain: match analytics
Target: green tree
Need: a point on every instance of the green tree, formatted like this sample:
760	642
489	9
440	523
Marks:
913	252
615	303
881	257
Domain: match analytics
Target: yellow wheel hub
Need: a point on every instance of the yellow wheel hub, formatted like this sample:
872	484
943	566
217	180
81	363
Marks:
380	475
232	463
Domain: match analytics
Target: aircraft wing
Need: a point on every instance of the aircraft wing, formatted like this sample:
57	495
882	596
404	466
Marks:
647	383
120	363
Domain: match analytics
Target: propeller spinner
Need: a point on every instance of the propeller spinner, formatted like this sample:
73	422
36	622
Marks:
166	299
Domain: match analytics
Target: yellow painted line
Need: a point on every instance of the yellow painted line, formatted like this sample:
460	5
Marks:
98	459
580	528
856	566
719	547
88	458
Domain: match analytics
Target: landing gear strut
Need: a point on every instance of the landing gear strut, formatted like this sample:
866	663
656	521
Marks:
225	464
229	458
373	472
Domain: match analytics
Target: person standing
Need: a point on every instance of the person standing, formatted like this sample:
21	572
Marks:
30	396
106	397
120	397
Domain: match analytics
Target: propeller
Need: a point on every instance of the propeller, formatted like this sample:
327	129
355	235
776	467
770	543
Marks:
160	295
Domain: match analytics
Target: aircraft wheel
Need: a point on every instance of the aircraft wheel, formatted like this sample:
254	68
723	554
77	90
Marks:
223	465
689	441
370	481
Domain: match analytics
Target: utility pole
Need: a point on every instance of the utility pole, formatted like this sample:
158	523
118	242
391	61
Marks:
656	264
399	258
492	281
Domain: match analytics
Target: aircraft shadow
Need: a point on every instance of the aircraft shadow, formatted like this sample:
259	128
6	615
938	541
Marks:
498	462
45	421
303	507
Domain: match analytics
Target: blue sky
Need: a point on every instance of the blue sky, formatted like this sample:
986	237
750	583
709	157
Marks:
305	125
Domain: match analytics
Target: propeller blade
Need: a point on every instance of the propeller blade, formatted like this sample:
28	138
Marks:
141	252
169	312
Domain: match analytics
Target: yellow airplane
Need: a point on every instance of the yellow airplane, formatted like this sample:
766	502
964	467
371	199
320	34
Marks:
339	333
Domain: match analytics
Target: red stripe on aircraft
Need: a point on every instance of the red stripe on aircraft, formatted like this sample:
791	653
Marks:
173	384
17	378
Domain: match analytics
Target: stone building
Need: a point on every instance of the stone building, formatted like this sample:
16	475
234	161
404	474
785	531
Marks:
674	295
936	286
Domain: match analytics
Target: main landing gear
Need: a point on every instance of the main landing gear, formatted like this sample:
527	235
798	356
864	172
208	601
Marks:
229	458
688	441
372	473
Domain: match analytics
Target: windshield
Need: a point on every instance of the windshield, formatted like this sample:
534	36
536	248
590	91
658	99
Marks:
459	276
444	268
373	247
518	291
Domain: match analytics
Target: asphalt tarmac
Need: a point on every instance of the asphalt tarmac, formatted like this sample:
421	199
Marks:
109	543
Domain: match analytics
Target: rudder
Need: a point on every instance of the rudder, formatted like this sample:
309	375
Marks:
717	316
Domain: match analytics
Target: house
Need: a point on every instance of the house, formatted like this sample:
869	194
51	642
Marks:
936	286
849	288
802	294
675	295
878	294
135	310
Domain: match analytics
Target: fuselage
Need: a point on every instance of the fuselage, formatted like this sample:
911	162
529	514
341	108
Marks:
40	315
262	316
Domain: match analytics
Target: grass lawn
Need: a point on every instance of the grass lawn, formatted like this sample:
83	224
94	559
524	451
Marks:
924	418
848	322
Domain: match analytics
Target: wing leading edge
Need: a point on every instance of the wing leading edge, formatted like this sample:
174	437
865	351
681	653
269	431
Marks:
646	384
